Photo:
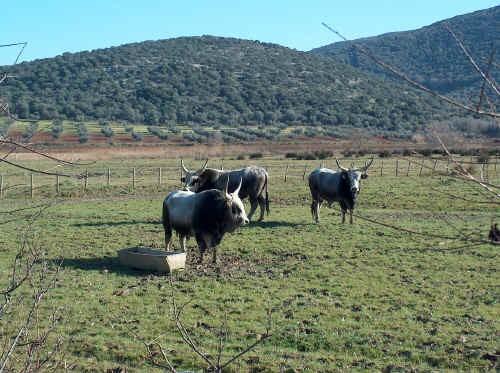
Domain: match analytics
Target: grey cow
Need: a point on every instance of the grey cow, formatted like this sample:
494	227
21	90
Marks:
207	215
341	186
254	184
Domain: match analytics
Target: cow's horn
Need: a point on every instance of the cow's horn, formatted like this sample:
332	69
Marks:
203	168
239	187
339	166
184	167
226	188
368	165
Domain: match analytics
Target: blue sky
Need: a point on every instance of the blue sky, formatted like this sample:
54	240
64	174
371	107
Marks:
53	27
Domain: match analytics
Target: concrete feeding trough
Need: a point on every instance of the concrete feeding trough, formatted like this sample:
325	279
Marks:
149	259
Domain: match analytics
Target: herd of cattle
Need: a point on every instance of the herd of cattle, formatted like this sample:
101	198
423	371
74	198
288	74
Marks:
210	203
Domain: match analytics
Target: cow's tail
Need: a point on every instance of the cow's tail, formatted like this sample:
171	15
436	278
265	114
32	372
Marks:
267	196
165	218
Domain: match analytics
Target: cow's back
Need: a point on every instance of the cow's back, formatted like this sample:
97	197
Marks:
181	206
253	179
324	183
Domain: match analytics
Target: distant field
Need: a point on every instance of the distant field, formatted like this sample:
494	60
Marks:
344	297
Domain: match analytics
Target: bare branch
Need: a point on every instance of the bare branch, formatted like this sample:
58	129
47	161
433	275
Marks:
471	60
80	176
25	147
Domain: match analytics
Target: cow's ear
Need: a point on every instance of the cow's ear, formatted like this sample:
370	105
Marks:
364	176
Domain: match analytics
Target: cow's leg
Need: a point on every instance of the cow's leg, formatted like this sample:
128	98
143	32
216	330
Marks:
350	216
262	205
342	213
167	227
318	207
313	211
253	207
202	246
168	236
183	243
214	255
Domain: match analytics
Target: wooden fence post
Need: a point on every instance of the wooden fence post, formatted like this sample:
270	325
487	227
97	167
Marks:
133	178
434	167
108	177
421	167
1	186
408	169
397	166
86	180
222	164
32	189
286	171
159	175
381	167
57	184
304	174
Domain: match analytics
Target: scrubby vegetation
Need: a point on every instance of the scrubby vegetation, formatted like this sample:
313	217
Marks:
81	130
211	81
430	54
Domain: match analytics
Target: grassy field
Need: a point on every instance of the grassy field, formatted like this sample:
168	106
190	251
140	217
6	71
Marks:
343	297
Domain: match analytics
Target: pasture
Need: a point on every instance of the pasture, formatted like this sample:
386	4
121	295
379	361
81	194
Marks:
340	297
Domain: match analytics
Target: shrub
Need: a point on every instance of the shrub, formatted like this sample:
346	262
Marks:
107	131
255	155
384	154
57	128
30	131
323	154
425	152
136	136
158	132
484	157
81	130
240	157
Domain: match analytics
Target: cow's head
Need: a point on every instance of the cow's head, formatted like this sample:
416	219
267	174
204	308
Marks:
237	213
353	176
192	179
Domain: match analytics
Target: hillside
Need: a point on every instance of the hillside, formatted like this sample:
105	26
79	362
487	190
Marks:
210	81
430	54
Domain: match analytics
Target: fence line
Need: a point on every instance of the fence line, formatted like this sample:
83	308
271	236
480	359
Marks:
148	176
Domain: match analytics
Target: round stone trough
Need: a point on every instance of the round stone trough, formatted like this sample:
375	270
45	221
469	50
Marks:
150	259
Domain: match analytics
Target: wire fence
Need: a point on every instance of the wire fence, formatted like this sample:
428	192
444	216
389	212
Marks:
26	184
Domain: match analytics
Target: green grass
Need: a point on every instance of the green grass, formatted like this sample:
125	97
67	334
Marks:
343	297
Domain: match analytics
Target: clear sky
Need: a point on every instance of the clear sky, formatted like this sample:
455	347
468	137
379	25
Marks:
53	27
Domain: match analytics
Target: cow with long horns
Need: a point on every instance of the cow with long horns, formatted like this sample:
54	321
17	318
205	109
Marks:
254	184
207	216
341	186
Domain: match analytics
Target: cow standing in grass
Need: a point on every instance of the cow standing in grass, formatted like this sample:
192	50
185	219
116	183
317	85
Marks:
254	184
207	216
341	186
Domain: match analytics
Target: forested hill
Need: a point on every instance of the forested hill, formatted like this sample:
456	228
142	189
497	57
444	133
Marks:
209	80
430	54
